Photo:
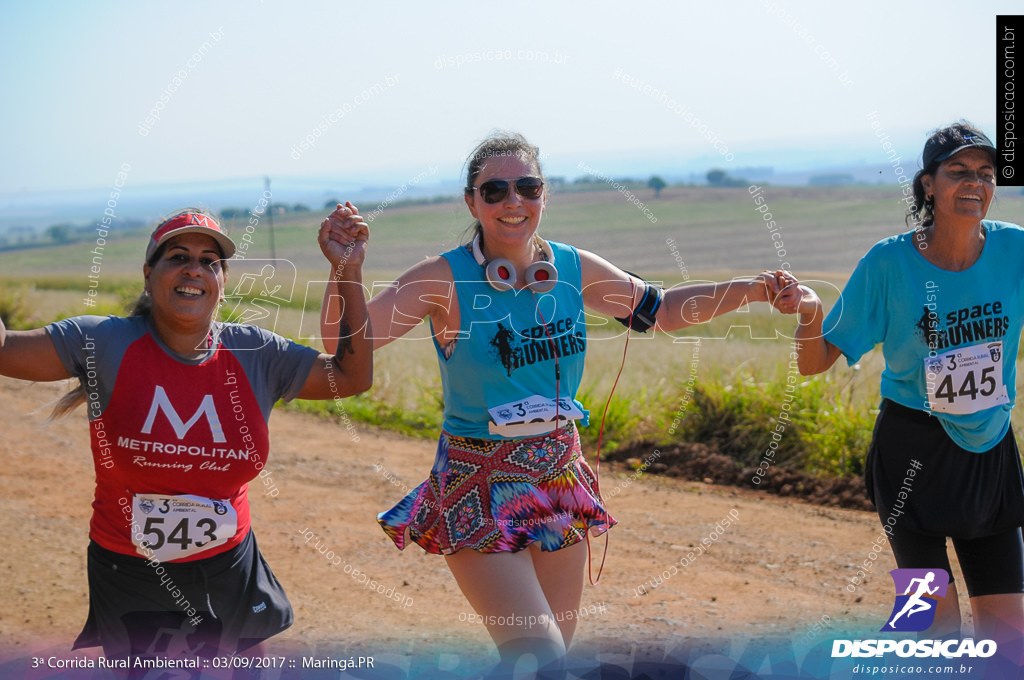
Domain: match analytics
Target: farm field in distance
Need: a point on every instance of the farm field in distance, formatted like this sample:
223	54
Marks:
701	234
334	486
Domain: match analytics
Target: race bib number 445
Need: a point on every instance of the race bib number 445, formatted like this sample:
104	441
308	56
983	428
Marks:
173	527
966	380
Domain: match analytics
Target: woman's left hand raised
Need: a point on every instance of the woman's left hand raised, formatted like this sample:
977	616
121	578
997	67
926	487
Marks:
343	238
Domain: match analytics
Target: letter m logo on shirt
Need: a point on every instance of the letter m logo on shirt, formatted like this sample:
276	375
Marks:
181	428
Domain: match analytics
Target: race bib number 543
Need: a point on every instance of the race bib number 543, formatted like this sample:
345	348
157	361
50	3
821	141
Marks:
173	527
966	380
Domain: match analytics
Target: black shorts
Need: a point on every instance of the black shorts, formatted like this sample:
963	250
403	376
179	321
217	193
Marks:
222	604
993	565
927	488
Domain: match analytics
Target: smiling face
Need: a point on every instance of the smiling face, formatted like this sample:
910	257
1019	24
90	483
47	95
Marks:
511	222
186	282
962	186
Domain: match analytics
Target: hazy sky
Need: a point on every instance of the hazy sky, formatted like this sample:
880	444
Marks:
79	80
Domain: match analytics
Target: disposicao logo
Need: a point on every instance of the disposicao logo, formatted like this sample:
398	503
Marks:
914	609
917	597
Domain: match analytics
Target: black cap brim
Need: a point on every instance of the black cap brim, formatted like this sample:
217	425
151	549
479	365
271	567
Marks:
993	154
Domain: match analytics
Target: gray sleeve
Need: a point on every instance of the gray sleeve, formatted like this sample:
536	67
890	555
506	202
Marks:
81	341
277	367
290	367
69	339
91	348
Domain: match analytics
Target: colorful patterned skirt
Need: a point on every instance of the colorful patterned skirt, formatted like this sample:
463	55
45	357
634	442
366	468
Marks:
501	496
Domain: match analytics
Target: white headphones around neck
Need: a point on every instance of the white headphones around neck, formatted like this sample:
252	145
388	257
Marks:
541	276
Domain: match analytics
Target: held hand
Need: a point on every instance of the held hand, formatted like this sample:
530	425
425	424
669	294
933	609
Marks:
790	295
765	287
343	237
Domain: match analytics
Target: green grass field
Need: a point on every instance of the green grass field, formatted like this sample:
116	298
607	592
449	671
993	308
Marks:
740	367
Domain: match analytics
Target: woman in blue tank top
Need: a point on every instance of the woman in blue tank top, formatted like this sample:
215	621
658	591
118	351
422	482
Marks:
510	498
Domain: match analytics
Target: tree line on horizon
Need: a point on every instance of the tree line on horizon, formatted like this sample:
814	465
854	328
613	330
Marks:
67	232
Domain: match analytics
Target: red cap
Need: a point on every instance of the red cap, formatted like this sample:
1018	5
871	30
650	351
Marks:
187	223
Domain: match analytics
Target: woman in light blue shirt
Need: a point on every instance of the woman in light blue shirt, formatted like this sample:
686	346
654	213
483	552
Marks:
945	300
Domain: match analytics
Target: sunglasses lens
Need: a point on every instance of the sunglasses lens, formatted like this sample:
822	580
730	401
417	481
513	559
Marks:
494	191
529	188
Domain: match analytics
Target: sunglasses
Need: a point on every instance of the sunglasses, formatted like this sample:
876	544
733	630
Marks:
496	190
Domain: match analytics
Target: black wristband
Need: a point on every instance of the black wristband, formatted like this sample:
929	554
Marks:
644	314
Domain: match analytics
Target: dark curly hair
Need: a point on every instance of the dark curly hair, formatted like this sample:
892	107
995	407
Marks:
922	212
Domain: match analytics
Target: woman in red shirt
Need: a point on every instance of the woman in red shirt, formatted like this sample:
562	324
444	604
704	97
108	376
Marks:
178	406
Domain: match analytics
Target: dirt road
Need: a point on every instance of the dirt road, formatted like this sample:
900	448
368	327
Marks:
778	570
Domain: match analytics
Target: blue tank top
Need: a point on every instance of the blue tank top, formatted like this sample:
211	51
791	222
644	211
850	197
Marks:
503	352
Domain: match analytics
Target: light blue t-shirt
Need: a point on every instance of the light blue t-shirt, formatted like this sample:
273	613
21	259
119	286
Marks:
917	310
508	342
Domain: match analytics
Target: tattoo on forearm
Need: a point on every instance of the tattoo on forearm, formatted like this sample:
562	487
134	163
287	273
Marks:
344	340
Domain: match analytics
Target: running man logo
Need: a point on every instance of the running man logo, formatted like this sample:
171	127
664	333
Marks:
914	609
181	428
262	287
